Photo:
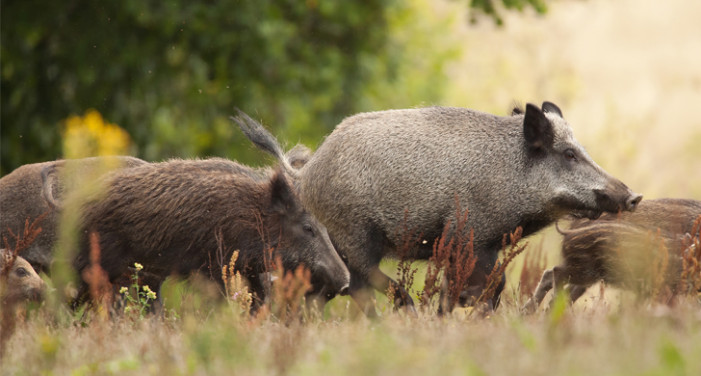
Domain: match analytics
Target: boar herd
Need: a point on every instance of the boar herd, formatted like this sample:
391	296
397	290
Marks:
342	209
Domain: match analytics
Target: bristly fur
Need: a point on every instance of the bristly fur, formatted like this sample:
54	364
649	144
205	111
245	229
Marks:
26	193
511	171
170	217
641	250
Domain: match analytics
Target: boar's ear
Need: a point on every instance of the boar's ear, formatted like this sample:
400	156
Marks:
537	129
281	195
516	109
551	108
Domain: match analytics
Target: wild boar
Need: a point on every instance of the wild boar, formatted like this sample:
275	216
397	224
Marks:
22	283
673	215
184	216
625	250
21	198
380	172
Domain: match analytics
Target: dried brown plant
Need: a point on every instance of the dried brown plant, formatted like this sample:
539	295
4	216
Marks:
288	290
495	277
8	318
451	264
534	265
99	285
398	292
24	239
690	281
235	286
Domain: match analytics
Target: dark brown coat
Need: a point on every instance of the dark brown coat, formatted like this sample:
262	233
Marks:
183	216
21	198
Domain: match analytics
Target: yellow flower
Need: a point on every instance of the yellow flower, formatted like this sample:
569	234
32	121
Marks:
138	266
123	290
149	294
90	135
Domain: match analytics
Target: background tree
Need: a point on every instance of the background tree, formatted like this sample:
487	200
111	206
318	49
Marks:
170	73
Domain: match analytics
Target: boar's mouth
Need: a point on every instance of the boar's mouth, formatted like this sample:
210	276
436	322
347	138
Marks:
587	213
617	198
322	293
576	208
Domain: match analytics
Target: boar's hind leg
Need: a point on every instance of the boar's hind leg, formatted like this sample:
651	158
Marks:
561	277
552	279
363	295
363	247
545	285
381	282
576	291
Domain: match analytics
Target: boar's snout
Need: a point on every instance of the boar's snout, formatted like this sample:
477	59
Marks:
339	286
36	294
617	197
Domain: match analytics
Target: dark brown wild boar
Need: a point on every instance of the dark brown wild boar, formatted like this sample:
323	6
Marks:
642	250
172	217
21	198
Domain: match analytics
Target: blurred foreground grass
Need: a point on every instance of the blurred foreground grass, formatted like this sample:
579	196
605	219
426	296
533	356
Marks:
626	337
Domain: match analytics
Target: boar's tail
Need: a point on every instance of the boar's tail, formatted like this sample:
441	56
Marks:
48	179
561	231
263	139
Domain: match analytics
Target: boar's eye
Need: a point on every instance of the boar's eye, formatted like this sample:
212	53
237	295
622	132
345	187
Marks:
22	272
570	155
308	229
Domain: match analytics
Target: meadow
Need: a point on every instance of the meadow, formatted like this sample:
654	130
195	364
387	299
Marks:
610	333
626	76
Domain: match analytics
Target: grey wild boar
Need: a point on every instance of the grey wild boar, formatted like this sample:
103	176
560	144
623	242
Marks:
380	172
624	250
184	216
22	198
20	281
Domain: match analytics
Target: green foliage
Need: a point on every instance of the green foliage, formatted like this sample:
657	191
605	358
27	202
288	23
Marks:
672	359
489	8
170	73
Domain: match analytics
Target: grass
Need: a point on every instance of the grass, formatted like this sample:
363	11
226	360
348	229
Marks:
607	332
604	337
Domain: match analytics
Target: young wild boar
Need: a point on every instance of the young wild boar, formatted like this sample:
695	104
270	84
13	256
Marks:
379	172
21	198
183	216
627	250
673	215
22	283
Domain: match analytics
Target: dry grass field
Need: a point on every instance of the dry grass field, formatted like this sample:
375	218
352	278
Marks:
627	75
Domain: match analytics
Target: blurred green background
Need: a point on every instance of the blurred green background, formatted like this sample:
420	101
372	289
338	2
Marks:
170	73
